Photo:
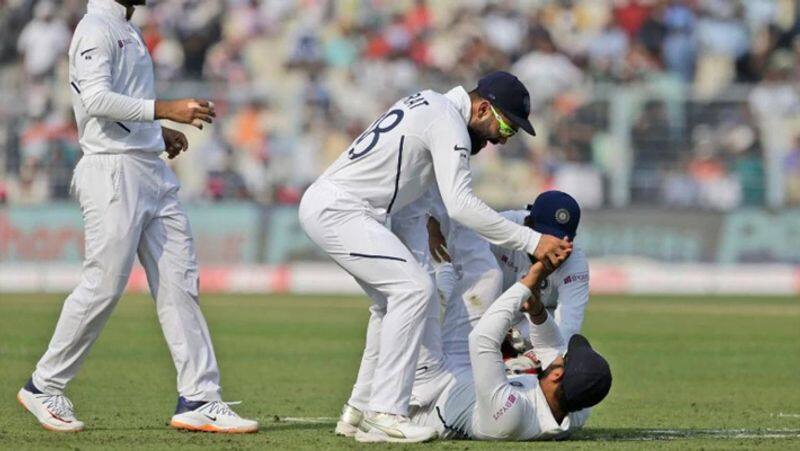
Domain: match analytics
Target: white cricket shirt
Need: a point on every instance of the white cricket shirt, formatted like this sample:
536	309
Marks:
423	138
111	81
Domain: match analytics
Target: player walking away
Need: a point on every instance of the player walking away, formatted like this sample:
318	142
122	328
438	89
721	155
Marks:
422	138
130	207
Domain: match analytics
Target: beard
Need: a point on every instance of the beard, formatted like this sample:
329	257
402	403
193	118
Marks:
477	139
130	3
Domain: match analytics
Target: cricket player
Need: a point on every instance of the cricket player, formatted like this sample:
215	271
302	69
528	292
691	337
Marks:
129	201
423	139
482	402
565	292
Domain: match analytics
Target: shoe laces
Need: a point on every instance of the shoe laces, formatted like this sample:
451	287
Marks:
219	408
58	405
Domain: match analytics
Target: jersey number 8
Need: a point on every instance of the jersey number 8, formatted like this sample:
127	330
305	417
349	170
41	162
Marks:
379	126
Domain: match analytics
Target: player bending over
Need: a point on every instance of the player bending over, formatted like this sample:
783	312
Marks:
423	140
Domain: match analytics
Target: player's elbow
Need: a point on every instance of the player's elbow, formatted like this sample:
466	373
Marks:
479	342
94	103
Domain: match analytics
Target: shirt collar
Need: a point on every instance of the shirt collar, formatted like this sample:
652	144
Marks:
459	97
548	425
108	8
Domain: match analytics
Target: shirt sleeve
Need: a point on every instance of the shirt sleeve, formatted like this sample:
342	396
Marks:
450	145
547	341
573	297
484	341
92	60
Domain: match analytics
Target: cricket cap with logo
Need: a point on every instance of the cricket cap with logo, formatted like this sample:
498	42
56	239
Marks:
505	92
555	213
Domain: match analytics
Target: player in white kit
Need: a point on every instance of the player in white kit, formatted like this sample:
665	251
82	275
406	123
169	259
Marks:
422	139
483	403
565	292
130	207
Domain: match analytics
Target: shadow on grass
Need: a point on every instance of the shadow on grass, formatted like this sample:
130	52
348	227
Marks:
641	434
265	427
280	426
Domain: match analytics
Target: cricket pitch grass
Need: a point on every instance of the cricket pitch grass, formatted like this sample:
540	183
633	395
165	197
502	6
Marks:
689	373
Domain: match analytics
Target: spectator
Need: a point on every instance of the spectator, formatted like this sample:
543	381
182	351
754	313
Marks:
43	42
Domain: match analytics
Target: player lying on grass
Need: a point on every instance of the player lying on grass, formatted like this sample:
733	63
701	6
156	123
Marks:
484	403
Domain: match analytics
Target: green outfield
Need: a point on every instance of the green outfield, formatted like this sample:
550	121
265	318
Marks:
715	373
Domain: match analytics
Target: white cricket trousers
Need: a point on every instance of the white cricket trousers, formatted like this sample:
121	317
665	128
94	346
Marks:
130	207
400	289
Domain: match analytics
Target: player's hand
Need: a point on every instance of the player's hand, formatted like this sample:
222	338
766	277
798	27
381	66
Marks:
186	111
174	141
436	242
552	251
534	277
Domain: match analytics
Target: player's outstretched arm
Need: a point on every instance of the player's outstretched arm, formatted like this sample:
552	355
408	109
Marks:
485	340
544	334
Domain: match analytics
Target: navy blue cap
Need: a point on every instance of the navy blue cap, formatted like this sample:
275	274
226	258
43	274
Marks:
555	213
506	92
587	376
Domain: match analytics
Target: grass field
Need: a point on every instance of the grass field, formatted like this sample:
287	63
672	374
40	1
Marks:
714	373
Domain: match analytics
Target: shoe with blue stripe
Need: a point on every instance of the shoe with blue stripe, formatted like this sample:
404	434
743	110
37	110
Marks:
54	412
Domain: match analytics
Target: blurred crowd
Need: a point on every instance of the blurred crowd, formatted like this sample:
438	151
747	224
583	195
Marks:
681	103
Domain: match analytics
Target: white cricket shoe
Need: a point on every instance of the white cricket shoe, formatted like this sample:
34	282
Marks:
348	423
384	427
212	416
54	412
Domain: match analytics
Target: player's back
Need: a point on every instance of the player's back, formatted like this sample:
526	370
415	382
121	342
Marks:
390	164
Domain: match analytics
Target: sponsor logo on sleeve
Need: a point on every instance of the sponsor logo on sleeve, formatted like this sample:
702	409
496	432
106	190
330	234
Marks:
512	399
578	277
